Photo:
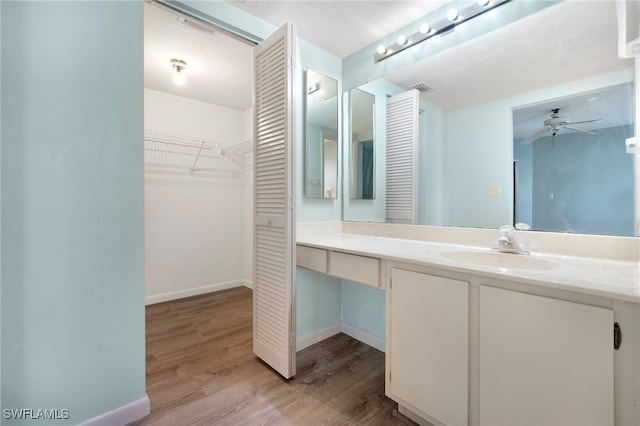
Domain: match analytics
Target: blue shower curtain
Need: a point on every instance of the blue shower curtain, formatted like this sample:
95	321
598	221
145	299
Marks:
367	170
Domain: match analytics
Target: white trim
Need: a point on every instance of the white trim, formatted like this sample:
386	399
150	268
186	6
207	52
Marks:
180	294
364	336
122	415
341	327
318	336
248	283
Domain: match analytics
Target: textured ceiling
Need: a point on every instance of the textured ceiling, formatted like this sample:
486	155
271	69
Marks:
340	27
219	69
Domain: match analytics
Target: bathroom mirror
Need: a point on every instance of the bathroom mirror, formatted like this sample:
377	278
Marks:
321	136
472	94
575	174
362	151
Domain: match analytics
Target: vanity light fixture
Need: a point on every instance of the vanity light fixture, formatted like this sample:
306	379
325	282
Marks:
424	29
179	66
452	18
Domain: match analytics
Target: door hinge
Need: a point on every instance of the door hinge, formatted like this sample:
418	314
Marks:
617	336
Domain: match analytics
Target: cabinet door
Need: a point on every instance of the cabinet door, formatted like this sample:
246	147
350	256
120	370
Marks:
544	361
428	345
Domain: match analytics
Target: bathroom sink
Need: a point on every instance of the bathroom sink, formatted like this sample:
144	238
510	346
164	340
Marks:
501	260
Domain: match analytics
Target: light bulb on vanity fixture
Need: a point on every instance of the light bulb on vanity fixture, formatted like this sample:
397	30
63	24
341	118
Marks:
178	76
448	20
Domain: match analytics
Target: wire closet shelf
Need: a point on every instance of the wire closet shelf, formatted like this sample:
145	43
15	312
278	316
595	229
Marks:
167	150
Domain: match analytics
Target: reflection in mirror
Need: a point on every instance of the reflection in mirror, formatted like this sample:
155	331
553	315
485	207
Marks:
321	136
572	171
466	177
362	145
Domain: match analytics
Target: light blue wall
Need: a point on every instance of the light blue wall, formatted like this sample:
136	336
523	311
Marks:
72	207
432	207
591	178
319	303
479	153
364	307
318	296
0	211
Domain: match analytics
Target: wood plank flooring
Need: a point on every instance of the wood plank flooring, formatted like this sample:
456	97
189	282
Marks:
201	370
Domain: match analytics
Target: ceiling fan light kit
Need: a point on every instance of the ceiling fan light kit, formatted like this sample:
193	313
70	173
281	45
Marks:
557	123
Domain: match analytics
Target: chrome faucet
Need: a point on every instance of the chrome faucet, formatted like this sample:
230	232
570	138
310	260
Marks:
507	242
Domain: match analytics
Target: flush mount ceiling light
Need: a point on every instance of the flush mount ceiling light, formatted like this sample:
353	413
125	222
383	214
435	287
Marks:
452	18
178	76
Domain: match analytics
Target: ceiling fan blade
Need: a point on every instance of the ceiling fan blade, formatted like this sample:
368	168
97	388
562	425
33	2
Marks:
537	135
586	132
582	122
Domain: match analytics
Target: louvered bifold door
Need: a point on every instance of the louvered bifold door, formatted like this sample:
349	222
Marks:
402	157
274	222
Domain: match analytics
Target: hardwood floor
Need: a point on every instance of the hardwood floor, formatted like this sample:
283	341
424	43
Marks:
201	370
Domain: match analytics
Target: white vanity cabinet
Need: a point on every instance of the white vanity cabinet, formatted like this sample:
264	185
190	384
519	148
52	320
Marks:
428	345
477	345
544	361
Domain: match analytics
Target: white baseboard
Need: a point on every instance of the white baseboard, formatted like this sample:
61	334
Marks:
364	336
318	336
181	294
122	415
248	284
341	327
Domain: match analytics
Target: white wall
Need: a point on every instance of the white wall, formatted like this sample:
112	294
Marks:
194	223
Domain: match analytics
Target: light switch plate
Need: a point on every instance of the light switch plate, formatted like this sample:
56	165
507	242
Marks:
494	191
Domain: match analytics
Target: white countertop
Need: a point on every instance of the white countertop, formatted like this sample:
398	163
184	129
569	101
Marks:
599	277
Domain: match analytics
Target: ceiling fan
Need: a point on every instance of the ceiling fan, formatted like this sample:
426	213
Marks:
555	123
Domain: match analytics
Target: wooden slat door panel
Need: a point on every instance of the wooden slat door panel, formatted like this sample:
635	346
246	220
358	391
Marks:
402	158
274	189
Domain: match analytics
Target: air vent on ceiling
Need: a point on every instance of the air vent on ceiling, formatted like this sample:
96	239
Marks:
196	25
421	87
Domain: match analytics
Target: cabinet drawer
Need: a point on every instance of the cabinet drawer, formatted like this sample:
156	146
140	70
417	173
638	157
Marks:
311	258
361	269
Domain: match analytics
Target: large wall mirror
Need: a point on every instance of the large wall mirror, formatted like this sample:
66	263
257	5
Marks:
362	152
321	136
572	171
491	93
